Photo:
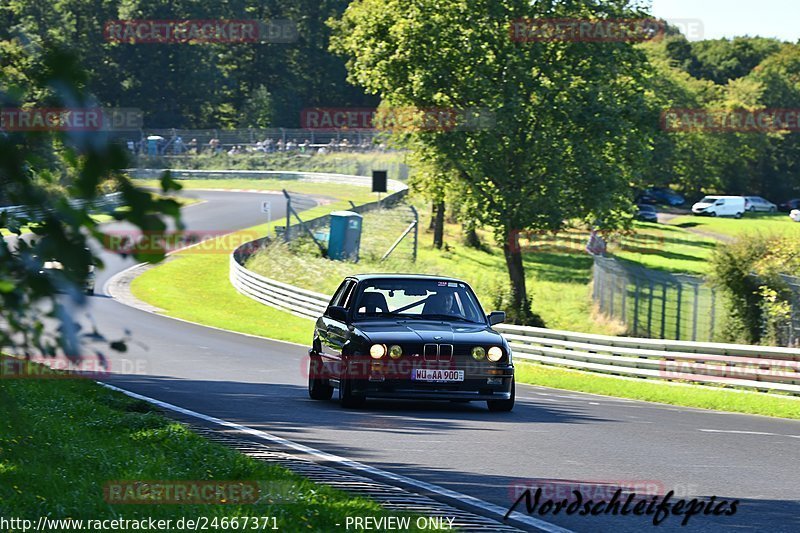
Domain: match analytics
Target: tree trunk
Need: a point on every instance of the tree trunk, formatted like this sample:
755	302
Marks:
471	238
519	311
438	228
516	273
432	225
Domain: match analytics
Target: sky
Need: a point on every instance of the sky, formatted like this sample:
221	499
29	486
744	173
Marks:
713	19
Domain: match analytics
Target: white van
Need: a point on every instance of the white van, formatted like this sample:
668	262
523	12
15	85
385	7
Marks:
720	206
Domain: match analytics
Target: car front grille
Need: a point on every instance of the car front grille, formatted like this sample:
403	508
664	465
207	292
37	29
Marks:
438	352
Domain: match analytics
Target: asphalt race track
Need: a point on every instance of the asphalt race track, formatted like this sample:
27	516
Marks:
577	441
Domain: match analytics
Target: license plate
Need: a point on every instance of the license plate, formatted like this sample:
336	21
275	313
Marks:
423	374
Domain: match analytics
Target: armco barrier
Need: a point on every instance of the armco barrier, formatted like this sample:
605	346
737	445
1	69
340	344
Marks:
314	177
105	202
763	368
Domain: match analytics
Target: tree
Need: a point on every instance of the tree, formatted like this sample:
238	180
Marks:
257	111
568	118
56	176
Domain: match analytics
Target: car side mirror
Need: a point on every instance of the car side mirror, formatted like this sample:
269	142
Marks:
496	317
337	313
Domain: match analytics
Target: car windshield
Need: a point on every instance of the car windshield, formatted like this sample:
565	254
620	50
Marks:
647	208
709	199
419	299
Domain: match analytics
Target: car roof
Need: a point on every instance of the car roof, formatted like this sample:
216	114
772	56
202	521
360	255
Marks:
392	275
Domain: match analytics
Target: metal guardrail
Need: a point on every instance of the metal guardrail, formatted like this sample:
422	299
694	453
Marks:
392	185
30	213
763	368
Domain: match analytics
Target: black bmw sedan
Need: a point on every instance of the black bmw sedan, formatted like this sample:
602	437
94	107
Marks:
410	337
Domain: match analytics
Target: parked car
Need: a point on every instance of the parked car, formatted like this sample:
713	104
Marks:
759	204
788	205
49	268
410	337
646	213
720	206
661	195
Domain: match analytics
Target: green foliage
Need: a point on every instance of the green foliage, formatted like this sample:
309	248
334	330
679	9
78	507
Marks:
569	125
46	172
257	110
207	85
749	271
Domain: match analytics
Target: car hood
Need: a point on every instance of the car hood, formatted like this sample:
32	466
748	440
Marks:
426	332
701	205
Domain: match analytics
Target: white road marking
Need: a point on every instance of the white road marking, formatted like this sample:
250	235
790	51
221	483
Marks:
490	508
740	432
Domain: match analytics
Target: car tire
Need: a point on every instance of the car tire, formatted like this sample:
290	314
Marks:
318	388
713	213
90	292
773	209
503	406
738	215
347	399
751	209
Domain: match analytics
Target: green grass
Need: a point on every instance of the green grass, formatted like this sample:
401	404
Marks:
751	223
63	440
661	392
666	248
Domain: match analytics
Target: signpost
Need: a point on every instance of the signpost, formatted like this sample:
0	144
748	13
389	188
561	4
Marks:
266	208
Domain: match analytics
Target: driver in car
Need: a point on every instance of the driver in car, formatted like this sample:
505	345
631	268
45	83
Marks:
442	303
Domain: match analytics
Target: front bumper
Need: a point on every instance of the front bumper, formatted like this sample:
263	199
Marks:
496	386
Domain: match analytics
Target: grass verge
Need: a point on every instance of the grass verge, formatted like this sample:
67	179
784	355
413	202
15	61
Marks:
778	223
686	395
63	440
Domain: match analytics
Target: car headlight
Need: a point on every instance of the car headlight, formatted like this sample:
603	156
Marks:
478	353
395	351
377	351
495	354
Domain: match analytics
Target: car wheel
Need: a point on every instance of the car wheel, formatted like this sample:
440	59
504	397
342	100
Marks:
503	406
738	215
318	388
751	209
713	213
90	292
347	399
773	209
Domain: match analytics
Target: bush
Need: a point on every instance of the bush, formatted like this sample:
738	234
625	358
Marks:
750	272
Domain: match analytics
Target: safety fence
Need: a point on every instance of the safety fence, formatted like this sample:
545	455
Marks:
761	368
171	141
656	304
